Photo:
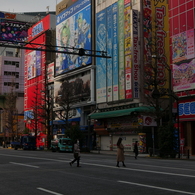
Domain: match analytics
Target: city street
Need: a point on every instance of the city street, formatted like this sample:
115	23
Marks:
44	172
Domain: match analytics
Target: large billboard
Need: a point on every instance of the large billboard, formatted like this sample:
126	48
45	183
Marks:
183	46
33	60
80	89
73	30
184	76
11	30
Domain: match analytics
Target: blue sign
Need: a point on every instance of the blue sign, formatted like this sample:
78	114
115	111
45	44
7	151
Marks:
187	108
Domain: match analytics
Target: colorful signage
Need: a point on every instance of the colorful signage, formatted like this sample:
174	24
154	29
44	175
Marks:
187	110
13	30
109	53
183	46
136	71
184	76
40	27
115	76
121	49
128	26
11	16
33	60
73	30
101	43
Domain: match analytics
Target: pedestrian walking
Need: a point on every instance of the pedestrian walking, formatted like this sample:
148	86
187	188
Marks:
120	152
76	154
135	150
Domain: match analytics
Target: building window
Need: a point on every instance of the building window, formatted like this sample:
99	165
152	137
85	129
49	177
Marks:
17	85
9	53
14	63
17	64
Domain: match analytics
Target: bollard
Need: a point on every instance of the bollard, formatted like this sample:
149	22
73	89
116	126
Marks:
188	154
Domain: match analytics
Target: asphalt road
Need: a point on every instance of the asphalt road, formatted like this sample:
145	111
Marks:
47	173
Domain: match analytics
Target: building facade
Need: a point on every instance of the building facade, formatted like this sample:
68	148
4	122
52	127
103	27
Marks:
182	59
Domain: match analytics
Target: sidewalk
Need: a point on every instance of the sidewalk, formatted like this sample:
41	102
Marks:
109	152
115	152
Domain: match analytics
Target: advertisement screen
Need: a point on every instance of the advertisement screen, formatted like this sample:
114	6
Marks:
13	30
80	89
73	30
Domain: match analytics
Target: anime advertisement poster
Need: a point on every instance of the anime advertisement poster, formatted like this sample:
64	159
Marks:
33	60
73	30
109	53
13	30
121	49
127	30
115	52
184	76
183	46
101	45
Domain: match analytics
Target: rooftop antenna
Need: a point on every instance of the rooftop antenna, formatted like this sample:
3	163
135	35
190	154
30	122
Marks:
47	9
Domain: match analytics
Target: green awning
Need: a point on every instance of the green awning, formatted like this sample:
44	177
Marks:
117	113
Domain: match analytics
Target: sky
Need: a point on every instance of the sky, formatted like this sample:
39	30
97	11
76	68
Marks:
28	5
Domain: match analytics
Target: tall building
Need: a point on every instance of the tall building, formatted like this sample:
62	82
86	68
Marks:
182	59
13	29
38	61
74	30
132	33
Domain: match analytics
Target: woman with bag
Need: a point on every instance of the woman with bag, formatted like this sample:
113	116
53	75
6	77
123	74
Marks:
120	152
76	154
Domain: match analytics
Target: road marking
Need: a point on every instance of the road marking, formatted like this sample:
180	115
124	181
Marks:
24	165
159	188
141	170
51	192
100	165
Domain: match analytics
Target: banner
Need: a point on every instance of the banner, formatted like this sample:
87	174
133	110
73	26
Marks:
121	49
101	62
115	52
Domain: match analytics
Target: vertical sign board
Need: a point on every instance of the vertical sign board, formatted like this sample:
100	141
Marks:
161	26
121	49
127	32
136	72
109	53
147	33
115	52
101	62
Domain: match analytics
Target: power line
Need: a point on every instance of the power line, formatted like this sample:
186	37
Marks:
76	51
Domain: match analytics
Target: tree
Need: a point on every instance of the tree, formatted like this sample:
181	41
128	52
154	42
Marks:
67	95
157	79
11	115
